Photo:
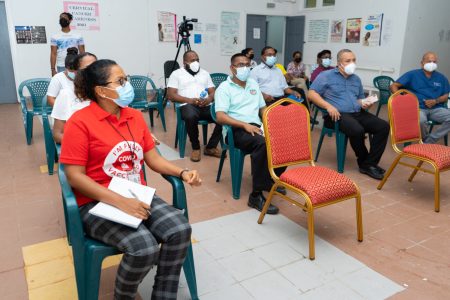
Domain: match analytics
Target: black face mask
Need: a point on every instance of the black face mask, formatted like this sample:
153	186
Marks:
64	22
251	56
188	69
297	60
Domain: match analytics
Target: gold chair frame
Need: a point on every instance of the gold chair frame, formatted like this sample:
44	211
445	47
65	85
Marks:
307	206
402	154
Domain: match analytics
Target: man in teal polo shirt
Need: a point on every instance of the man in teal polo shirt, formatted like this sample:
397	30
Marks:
239	103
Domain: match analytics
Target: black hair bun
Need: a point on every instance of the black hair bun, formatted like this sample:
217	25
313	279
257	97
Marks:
72	51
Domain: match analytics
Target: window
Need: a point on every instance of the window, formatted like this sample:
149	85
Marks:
310	3
328	2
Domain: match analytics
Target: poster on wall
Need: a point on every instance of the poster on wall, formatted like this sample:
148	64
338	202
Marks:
229	33
30	35
318	30
167	26
336	31
86	15
353	31
371	30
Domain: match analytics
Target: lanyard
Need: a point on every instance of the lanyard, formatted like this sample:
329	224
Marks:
124	139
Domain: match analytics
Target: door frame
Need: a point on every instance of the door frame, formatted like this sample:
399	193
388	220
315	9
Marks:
12	43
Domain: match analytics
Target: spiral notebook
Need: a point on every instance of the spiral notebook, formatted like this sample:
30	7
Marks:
124	188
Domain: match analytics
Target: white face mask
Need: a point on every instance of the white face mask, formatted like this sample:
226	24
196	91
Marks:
194	66
430	67
350	68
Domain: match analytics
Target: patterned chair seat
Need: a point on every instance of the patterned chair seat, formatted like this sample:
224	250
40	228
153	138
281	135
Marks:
320	184
440	154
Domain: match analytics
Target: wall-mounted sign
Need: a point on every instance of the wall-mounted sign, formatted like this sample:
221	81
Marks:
85	15
30	35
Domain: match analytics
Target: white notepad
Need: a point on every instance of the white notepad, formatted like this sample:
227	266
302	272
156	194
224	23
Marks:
123	187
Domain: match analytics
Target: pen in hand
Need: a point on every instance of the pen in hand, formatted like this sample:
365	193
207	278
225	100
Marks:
135	196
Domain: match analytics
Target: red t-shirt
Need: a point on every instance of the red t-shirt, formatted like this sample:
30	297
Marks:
319	70
92	139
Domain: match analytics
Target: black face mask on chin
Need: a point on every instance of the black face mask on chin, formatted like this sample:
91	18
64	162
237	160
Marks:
188	69
64	22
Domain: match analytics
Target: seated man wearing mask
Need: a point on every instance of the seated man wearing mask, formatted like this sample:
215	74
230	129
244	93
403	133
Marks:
431	89
239	103
340	92
270	79
324	61
188	86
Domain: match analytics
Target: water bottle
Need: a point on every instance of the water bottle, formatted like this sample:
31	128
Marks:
204	94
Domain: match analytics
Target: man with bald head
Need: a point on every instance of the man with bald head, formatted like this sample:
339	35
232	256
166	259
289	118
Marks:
431	89
192	86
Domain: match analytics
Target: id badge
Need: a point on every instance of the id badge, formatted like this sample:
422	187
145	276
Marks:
134	178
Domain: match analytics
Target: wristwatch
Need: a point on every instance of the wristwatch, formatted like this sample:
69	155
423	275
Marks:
182	171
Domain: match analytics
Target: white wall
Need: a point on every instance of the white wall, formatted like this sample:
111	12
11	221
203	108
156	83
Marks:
123	35
425	21
206	11
386	56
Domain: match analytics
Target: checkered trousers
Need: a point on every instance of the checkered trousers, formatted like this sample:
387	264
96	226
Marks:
166	226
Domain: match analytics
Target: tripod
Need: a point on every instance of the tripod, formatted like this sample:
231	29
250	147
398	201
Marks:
184	41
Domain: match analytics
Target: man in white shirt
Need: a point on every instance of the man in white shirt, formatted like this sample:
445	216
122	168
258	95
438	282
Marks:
193	88
270	79
60	42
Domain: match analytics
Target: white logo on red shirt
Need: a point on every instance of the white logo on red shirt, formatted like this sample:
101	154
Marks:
122	161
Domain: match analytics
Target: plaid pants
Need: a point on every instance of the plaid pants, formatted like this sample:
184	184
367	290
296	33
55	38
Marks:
166	225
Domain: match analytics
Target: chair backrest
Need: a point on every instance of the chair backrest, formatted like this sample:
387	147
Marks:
37	88
169	68
382	83
218	78
403	109
73	219
287	133
139	84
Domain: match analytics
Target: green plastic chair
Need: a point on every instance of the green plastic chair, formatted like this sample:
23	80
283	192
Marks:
50	146
140	101
382	83
237	157
181	132
31	107
341	143
218	78
88	253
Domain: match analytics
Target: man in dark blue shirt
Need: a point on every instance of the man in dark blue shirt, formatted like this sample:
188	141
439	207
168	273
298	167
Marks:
340	92
431	89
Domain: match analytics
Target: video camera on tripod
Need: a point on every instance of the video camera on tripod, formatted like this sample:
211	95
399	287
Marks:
186	26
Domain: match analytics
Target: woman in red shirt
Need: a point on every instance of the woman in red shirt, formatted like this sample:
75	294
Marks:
107	139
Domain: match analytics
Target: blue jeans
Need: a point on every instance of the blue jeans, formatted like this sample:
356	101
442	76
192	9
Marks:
439	114
60	69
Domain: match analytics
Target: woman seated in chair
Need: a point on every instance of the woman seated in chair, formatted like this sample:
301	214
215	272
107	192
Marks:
67	103
107	139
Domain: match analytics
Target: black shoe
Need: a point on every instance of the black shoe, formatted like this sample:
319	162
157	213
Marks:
258	203
372	172
380	169
281	190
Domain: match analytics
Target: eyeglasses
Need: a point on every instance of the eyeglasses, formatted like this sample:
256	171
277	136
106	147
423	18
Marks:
122	81
241	65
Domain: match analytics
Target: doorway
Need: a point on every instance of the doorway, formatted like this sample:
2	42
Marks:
286	34
7	82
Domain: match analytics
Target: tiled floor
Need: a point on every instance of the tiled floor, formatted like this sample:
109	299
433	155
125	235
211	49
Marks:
404	239
269	261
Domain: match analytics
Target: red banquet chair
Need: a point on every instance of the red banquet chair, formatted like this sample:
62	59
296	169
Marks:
403	110
288	142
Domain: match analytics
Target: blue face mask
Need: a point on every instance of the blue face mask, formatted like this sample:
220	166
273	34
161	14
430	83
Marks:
71	75
326	62
271	60
242	73
126	95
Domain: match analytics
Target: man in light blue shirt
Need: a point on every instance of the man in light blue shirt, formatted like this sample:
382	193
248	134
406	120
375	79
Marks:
270	79
340	92
239	104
